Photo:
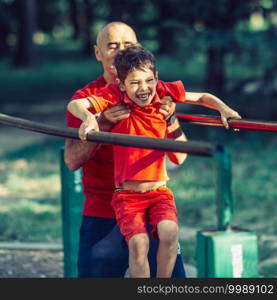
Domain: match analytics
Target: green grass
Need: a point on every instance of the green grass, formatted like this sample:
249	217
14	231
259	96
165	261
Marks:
30	208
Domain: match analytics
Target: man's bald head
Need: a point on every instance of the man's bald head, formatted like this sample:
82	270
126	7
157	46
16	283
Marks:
113	37
111	28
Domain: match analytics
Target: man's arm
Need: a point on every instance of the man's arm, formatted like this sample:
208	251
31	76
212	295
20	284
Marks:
77	153
167	107
211	101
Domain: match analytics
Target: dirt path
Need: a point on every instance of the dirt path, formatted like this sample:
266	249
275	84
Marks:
31	264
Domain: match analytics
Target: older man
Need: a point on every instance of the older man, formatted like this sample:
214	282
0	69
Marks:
102	250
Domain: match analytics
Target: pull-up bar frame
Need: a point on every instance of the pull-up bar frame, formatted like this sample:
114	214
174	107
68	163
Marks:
223	181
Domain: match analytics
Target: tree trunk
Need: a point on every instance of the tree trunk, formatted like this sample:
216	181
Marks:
26	51
215	70
167	33
87	21
4	32
74	18
124	11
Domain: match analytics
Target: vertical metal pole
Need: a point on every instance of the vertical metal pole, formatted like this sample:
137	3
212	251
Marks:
72	205
223	188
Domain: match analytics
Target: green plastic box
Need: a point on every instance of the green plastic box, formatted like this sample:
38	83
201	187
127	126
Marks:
227	254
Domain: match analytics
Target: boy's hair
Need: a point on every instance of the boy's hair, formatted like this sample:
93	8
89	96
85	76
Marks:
133	57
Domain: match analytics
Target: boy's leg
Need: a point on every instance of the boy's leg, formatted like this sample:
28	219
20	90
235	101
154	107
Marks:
179	269
130	215
138	261
102	249
164	209
168	244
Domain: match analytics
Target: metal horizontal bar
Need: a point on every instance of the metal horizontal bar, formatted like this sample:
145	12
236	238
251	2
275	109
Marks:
211	120
168	145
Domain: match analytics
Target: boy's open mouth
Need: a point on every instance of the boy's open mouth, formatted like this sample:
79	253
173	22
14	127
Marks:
143	96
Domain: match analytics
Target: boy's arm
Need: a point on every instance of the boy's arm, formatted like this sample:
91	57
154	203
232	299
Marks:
213	102
79	108
174	131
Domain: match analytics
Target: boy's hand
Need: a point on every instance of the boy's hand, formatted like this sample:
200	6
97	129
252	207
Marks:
227	114
167	108
88	125
109	117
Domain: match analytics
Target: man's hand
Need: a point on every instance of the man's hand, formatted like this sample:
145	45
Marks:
167	108
227	114
109	117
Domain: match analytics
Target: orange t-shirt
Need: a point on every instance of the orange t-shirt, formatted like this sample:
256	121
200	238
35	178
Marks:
136	163
98	172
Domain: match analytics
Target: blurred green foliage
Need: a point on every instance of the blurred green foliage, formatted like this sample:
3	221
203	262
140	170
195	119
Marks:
223	32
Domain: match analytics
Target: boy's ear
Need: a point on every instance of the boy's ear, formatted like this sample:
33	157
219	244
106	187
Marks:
156	75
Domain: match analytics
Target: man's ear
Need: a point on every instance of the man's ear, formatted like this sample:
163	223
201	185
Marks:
120	85
97	53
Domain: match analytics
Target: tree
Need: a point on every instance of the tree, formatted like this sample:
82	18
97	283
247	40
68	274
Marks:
88	13
83	15
168	26
219	19
124	10
26	52
5	28
270	72
74	16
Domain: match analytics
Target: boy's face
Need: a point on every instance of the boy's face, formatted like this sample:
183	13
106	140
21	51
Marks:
140	86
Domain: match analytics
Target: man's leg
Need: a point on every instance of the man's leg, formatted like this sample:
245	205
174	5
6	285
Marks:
109	257
102	250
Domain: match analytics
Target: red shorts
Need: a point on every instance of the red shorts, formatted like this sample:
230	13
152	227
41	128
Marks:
133	210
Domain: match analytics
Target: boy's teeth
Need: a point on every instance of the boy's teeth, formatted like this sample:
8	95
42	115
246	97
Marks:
144	96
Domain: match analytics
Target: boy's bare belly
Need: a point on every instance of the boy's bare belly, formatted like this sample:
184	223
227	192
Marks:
142	186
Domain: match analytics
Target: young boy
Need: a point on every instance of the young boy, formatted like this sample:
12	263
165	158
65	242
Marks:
140	174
